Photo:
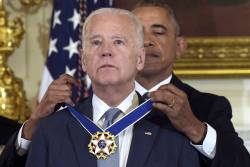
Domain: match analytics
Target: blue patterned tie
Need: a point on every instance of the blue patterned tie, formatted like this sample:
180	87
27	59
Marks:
113	160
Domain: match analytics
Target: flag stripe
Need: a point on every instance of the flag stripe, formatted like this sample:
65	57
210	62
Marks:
46	80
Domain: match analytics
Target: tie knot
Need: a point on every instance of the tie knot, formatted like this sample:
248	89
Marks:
110	115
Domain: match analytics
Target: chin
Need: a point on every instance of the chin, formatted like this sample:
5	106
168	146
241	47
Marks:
148	71
108	81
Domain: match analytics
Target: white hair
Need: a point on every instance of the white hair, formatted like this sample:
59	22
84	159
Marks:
139	35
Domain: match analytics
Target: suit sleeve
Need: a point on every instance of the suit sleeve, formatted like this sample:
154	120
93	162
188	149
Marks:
230	150
9	156
38	151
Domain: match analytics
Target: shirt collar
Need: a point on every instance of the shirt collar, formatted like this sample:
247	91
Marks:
100	107
139	88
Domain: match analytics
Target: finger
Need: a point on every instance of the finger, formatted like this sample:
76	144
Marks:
60	87
69	101
65	78
54	98
172	88
163	108
174	94
63	89
61	99
162	96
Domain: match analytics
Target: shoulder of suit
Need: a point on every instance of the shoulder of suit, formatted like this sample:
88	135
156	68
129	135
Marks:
56	119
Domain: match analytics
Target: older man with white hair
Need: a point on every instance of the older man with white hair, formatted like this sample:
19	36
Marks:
109	129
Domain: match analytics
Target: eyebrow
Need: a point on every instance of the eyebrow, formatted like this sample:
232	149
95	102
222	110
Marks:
159	26
118	37
113	37
93	37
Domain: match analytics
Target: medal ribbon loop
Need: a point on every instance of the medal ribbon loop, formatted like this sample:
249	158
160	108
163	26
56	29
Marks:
131	118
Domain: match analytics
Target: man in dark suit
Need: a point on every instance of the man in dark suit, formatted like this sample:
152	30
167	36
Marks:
113	53
201	117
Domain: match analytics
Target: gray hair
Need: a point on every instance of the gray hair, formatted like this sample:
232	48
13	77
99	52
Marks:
139	35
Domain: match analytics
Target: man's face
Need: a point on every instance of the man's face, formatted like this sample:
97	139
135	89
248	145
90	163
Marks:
111	55
161	43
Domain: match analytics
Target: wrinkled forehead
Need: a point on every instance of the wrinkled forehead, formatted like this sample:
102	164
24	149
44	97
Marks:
109	19
110	25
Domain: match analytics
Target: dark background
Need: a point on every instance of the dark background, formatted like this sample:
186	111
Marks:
208	17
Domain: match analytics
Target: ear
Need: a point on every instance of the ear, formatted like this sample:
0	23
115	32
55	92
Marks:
82	56
181	47
140	59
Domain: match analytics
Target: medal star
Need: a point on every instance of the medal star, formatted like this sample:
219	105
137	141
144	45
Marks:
97	149
107	141
75	19
56	19
106	149
72	48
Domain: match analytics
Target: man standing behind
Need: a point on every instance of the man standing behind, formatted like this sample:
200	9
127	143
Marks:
202	117
112	55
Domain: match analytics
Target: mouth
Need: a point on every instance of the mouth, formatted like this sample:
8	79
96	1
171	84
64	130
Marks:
152	58
149	55
107	66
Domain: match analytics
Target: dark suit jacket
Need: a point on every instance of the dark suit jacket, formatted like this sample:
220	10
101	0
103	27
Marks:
9	156
60	141
215	110
7	128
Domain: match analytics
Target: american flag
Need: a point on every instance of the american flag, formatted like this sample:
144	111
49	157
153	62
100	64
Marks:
63	53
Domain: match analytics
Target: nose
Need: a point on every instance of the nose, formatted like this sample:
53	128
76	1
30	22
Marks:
106	50
104	54
148	42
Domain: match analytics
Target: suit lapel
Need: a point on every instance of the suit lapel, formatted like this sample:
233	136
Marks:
80	137
144	135
178	83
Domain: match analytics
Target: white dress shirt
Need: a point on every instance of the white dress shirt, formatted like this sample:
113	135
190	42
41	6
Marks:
125	138
22	145
208	147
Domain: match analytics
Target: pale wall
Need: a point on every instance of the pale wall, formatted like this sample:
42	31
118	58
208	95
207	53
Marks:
28	60
237	92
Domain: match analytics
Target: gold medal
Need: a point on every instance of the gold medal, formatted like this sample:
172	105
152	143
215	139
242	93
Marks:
102	144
